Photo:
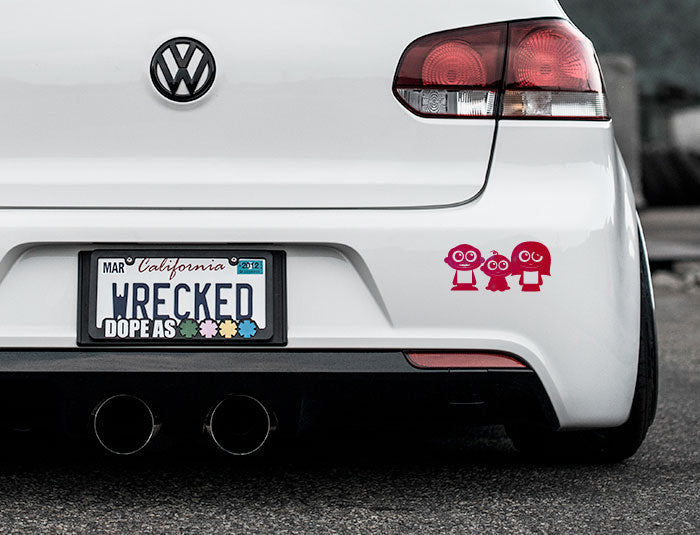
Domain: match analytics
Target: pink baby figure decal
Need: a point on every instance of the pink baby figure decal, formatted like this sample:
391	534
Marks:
530	260
498	268
464	259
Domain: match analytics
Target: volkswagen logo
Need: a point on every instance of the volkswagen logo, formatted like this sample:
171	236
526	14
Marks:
182	69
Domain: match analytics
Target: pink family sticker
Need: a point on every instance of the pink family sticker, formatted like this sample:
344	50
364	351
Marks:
529	260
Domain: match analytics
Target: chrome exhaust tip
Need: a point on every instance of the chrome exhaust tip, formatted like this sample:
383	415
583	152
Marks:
239	425
124	424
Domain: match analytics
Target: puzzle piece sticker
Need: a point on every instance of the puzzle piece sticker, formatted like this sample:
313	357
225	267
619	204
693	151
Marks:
208	328
228	329
188	328
247	328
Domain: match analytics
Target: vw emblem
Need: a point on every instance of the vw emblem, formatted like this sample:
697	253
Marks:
182	69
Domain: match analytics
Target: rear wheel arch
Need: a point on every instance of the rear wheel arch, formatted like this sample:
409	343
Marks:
618	443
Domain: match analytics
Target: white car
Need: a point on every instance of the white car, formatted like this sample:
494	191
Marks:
249	216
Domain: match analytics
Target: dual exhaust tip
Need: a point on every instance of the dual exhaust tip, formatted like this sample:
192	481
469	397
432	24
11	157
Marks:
124	424
239	425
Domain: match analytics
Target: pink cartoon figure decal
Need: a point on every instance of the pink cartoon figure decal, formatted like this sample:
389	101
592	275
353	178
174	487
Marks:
498	268
464	259
530	260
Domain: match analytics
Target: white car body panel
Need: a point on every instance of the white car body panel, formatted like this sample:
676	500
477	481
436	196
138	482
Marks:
301	113
89	150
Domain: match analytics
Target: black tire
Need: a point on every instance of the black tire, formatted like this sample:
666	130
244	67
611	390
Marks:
612	444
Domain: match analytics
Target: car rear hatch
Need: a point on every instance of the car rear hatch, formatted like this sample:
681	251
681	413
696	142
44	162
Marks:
300	115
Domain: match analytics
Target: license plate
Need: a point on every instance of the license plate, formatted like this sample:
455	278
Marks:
182	297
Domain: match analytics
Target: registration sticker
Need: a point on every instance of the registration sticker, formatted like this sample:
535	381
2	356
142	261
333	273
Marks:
247	266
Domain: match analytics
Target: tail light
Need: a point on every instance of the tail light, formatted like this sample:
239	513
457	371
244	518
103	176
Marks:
529	69
552	72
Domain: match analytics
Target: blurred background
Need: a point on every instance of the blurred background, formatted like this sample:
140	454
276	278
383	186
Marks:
650	55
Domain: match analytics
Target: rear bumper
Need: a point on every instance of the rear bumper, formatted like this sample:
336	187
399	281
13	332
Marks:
360	280
302	389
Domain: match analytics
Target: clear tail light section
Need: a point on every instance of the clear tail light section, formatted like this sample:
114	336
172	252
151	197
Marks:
529	69
453	74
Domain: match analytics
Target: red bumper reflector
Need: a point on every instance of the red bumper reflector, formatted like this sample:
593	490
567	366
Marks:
462	360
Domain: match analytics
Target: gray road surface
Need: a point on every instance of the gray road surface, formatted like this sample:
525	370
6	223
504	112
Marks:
480	485
672	233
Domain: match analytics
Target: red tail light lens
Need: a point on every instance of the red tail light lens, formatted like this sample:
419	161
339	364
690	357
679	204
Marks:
454	63
547	58
550	72
453	74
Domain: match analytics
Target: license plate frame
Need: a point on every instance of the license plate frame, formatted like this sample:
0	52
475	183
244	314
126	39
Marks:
274	333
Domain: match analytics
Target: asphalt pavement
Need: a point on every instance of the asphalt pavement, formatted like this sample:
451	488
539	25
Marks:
477	484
